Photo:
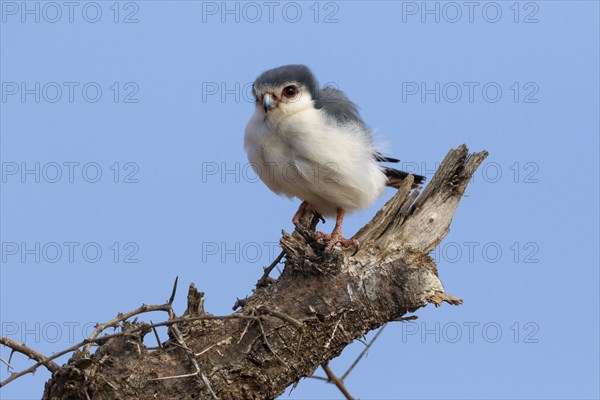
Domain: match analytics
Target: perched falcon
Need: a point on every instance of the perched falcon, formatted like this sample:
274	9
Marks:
311	143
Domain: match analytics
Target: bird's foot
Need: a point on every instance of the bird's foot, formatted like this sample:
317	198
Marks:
334	238
305	208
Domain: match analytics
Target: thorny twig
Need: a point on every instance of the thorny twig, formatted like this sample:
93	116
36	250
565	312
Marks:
262	330
29	352
280	315
333	333
167	307
246	328
226	340
210	390
339	382
336	381
265	278
8	366
156	336
173	292
361	355
123	317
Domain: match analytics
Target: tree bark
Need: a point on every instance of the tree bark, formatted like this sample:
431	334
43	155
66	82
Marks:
287	328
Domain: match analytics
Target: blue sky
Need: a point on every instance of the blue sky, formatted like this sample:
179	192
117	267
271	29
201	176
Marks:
123	167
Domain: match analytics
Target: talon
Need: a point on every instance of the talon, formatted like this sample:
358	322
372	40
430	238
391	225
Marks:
319	216
357	247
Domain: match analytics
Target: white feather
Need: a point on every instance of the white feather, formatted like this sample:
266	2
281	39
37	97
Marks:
299	151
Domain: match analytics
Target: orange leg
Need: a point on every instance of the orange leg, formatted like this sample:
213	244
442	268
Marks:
336	235
302	210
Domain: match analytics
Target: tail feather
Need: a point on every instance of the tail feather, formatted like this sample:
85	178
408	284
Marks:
381	158
395	177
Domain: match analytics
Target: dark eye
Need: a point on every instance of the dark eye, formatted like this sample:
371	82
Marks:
290	91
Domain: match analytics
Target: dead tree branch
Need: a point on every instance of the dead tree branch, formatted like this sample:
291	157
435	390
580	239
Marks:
285	330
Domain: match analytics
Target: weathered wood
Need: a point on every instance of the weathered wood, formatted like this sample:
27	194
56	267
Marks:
319	305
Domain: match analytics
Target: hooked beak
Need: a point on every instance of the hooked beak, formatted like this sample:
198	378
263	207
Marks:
268	102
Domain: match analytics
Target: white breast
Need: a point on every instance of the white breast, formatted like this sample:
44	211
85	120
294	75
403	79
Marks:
308	156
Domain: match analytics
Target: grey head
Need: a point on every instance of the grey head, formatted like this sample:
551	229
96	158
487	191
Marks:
288	74
332	101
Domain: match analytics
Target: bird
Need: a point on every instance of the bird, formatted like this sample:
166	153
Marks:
311	143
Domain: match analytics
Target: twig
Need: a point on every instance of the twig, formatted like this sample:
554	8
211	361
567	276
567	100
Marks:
263	280
336	381
220	342
207	383
333	333
262	330
156	335
246	328
280	315
409	318
179	338
8	366
164	378
364	352
29	352
172	298
299	342
123	317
